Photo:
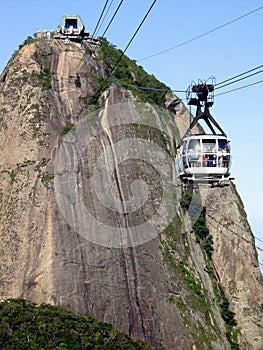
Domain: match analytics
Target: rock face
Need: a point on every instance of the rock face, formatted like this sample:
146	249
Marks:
235	260
160	290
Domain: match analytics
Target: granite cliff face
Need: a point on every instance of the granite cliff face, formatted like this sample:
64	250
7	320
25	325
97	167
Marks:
166	290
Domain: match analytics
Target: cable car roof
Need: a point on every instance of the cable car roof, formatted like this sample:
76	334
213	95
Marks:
205	136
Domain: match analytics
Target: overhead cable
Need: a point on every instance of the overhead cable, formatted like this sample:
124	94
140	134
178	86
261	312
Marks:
224	216
252	256
243	238
171	90
152	88
239	88
228	81
239	75
112	18
131	40
235	81
103	19
102	12
201	35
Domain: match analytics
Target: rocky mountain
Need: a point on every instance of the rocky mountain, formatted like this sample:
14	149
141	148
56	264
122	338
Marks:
93	217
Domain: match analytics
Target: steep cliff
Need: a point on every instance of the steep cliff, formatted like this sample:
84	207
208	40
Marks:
90	206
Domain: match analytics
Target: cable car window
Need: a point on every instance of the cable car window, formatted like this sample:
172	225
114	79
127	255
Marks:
209	145
193	152
223	144
194	145
184	155
184	148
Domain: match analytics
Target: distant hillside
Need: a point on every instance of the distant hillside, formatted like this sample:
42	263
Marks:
27	326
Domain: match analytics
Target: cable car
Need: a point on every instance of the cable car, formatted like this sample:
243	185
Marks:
204	158
71	26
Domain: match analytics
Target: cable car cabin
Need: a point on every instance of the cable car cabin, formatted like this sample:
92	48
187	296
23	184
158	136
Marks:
71	26
204	158
72	29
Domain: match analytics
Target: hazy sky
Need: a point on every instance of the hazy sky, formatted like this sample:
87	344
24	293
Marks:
224	53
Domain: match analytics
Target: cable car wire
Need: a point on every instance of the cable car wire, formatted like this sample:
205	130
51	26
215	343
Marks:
172	90
235	81
244	251
152	88
112	18
260	240
102	12
239	88
224	81
224	216
221	232
243	238
130	41
103	19
201	35
239	75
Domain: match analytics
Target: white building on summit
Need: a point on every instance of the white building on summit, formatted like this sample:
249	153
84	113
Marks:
72	26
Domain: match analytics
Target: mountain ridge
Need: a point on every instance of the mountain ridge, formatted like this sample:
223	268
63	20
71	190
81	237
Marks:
45	260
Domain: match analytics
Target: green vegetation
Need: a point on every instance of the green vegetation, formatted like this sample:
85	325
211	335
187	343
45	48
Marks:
28	40
155	135
226	313
129	73
191	282
43	78
185	278
46	178
230	322
189	296
41	164
24	325
192	202
12	174
200	229
19	166
208	246
67	129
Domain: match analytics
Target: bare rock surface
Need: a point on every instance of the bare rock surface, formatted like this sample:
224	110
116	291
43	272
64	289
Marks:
235	260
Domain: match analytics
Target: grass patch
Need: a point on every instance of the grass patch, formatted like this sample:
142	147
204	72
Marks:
46	179
42	79
66	129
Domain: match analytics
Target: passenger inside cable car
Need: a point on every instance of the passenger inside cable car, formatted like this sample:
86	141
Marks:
206	152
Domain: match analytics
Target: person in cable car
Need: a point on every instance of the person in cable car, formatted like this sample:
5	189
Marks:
193	158
211	161
220	157
225	158
206	158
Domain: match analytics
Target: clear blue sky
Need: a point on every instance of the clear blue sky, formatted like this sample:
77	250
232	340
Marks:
224	53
